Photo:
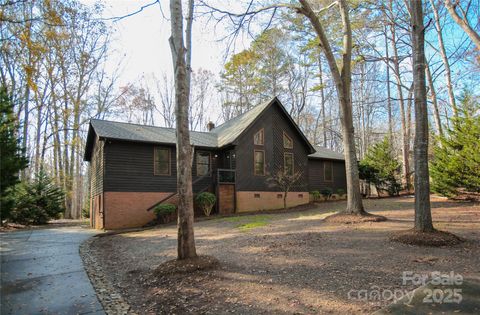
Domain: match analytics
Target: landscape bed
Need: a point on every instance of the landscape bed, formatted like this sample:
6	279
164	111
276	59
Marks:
287	263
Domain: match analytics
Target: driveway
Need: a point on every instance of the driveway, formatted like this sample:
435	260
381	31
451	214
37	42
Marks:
42	272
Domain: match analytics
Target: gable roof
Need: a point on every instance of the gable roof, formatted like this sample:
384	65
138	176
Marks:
233	128
218	137
324	153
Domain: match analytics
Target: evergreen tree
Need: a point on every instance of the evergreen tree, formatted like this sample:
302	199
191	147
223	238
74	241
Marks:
381	167
456	162
38	201
12	159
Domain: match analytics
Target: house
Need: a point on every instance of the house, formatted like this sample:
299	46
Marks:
133	167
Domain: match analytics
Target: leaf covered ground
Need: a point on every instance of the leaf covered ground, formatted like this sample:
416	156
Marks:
288	263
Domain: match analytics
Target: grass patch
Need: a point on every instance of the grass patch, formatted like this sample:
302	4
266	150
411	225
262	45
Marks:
231	219
252	225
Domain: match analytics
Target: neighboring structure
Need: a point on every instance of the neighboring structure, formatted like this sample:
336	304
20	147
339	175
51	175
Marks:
133	167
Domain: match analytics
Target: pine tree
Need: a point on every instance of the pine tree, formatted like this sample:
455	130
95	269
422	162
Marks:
381	167
12	159
456	162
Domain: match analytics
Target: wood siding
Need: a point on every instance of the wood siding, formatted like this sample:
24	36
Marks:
97	168
275	123
129	167
316	180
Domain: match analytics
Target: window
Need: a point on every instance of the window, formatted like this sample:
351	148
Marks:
259	162
288	163
259	137
279	196
161	161
203	163
256	195
287	141
328	171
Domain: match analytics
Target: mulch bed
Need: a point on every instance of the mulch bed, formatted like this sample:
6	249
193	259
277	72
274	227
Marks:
344	218
435	238
188	265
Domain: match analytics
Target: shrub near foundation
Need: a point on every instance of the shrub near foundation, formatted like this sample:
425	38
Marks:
206	201
165	212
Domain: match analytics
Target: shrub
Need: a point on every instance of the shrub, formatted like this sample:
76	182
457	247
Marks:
206	201
85	212
340	192
326	193
315	195
37	202
164	209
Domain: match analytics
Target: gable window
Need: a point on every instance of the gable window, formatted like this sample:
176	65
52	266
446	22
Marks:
288	163
203	163
259	137
161	158
259	162
328	171
287	141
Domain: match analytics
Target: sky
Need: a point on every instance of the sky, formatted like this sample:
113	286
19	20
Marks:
140	41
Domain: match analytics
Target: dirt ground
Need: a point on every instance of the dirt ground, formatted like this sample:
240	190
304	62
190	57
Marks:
288	263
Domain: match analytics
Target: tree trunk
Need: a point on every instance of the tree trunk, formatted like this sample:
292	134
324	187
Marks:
446	64
475	37
389	98
405	138
322	100
423	217
186	240
433	99
342	83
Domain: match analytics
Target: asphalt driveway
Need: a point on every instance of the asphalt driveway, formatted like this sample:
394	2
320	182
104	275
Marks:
42	273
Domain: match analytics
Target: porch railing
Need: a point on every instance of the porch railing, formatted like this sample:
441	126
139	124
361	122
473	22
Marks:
225	176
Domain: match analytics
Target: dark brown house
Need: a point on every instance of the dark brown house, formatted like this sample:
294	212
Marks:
133	167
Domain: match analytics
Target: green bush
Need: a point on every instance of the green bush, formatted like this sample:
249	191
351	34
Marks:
315	195
206	201
326	193
340	192
164	209
86	212
38	201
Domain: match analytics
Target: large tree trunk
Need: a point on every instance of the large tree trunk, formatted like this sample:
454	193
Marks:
446	64
186	240
343	86
423	217
463	23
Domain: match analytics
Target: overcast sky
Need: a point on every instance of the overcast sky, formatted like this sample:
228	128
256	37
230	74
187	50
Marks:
141	41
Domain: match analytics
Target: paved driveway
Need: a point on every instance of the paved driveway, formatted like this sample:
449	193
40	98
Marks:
42	273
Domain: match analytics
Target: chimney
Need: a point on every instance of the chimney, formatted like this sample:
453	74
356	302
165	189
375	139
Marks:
210	126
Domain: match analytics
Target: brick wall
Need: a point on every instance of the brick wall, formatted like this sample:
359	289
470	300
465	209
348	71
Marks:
268	200
129	209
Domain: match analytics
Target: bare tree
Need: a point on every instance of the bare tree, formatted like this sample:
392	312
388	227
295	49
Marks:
443	54
186	241
285	181
462	21
423	216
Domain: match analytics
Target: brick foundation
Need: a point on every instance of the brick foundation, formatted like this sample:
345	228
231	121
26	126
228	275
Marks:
268	200
129	209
